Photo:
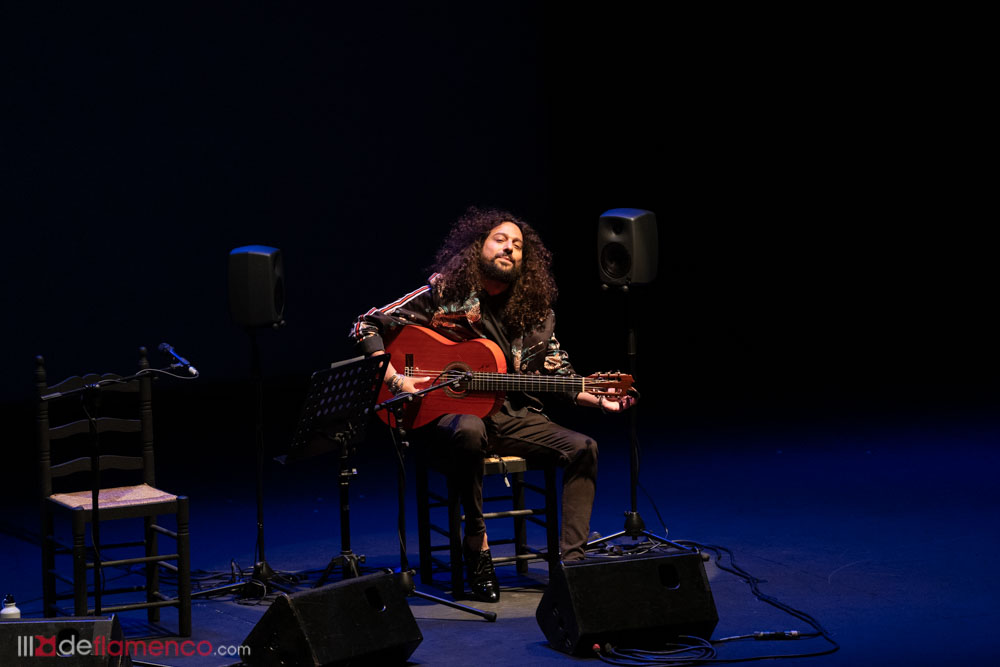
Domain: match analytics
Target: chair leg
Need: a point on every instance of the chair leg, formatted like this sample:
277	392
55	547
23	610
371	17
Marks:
183	567
551	517
152	569
520	523
48	565
79	564
455	540
423	522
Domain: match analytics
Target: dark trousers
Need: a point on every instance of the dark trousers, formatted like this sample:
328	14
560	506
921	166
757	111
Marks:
461	441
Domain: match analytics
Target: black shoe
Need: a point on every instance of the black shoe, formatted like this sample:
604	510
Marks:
482	577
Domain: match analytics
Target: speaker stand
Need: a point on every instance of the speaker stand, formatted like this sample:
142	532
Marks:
263	573
634	527
264	579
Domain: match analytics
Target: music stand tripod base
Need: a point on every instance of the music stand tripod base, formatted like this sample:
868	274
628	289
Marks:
334	418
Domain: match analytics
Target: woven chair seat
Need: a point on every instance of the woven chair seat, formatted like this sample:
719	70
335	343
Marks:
119	496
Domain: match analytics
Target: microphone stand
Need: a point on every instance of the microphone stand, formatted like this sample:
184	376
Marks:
397	405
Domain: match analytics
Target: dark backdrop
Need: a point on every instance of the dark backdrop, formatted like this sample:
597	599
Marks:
817	244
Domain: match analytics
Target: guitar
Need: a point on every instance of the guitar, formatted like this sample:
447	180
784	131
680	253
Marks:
477	371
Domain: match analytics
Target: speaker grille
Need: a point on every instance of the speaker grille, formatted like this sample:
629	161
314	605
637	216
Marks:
615	260
627	246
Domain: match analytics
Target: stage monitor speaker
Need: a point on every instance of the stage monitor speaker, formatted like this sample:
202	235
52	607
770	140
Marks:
256	286
630	602
360	621
626	246
79	641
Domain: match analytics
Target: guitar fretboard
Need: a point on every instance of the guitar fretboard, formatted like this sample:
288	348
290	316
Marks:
495	382
530	383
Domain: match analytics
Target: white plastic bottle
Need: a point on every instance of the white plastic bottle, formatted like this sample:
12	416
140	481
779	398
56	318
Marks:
10	610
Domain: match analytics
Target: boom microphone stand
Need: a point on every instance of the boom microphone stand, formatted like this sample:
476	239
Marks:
398	406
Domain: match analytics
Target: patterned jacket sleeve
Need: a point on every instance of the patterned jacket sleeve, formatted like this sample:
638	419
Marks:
413	308
554	359
557	359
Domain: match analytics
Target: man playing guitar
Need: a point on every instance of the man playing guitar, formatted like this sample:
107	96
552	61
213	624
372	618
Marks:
493	281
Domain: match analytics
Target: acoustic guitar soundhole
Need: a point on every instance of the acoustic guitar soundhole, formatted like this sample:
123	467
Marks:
452	372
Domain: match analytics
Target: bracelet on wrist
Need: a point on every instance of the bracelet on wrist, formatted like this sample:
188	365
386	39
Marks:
395	383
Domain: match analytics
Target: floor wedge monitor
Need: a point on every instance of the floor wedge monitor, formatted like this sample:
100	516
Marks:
629	602
359	621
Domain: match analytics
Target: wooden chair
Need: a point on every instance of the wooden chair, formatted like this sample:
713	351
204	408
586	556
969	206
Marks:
515	468
108	419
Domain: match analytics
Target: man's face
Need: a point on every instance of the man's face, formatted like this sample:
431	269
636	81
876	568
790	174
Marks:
501	257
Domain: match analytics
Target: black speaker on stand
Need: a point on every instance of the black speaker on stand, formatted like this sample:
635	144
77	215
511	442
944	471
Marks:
627	242
641	599
257	301
627	247
257	287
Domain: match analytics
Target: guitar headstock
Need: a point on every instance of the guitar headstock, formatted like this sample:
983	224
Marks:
612	386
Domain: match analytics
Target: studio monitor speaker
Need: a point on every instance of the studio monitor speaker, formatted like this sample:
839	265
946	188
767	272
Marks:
81	641
629	602
627	246
256	286
360	621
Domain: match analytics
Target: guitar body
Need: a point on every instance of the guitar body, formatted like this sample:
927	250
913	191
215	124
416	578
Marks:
420	352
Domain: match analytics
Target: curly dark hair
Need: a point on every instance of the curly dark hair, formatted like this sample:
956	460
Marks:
531	296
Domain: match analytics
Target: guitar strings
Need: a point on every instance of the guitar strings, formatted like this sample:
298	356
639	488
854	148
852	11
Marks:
516	378
414	372
604	387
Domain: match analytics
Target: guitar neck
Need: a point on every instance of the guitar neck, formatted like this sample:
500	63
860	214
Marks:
529	383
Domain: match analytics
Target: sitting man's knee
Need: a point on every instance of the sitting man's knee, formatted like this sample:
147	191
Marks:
586	452
468	433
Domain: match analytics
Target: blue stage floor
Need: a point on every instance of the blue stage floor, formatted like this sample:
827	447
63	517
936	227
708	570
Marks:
882	527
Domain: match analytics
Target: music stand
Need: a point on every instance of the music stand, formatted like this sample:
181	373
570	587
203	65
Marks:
336	411
334	417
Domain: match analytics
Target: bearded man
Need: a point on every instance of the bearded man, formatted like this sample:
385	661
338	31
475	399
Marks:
493	280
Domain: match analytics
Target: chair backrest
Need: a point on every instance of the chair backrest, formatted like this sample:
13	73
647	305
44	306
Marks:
69	416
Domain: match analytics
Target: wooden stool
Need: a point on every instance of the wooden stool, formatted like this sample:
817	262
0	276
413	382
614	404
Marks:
514	467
